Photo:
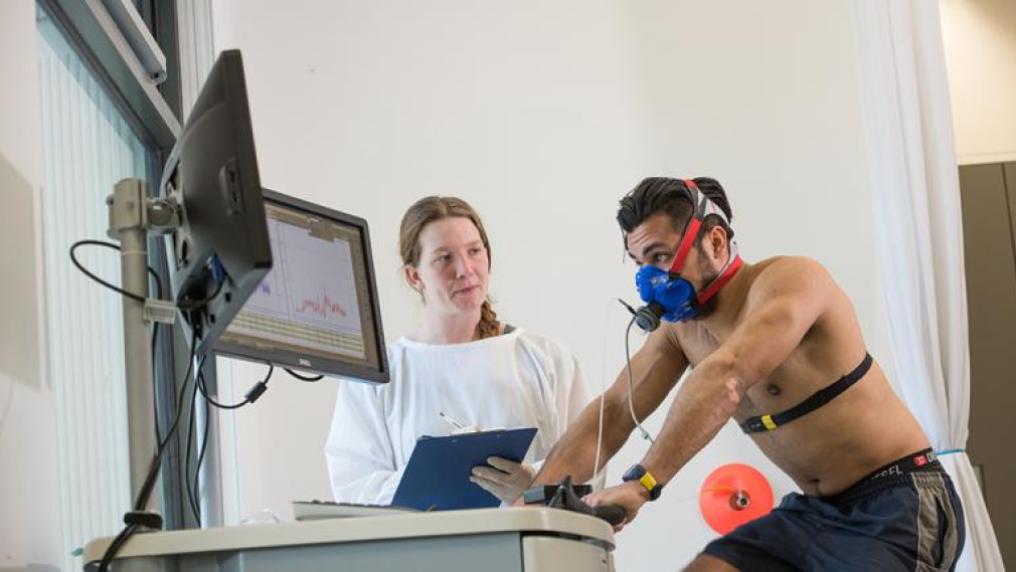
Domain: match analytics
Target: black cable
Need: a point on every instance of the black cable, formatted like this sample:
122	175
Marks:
86	272
139	516
194	492
197	304
155	277
155	337
153	472
252	394
155	345
195	510
116	545
201	458
303	377
154	325
155	384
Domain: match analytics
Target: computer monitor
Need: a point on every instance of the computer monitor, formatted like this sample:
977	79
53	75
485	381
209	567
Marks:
317	310
220	252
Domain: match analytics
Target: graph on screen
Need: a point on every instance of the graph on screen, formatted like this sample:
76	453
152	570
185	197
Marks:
309	299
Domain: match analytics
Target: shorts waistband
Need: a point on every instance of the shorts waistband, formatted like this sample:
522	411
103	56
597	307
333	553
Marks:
924	460
890	474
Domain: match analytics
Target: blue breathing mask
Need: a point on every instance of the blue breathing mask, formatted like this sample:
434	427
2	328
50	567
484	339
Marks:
675	295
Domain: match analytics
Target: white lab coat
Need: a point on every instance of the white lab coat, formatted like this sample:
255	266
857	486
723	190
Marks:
512	380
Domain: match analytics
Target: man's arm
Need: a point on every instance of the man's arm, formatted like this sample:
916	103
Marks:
655	369
785	301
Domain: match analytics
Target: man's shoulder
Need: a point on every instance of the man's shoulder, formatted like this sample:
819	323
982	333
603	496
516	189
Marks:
780	271
791	264
797	280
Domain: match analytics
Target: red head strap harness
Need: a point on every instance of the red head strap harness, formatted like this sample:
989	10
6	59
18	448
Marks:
703	208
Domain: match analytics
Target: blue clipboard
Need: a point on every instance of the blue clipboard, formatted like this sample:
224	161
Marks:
437	475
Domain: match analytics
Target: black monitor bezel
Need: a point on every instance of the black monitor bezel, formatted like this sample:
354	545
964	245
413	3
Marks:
323	366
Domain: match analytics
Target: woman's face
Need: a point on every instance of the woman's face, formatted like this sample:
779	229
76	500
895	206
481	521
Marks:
453	270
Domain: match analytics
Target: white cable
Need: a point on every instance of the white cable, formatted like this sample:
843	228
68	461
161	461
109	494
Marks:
603	388
631	383
599	442
631	401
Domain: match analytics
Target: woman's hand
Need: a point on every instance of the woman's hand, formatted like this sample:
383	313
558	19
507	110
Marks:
507	480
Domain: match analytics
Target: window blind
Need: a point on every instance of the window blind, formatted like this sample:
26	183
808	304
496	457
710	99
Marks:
87	147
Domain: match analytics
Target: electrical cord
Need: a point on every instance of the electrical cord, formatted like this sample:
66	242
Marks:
603	391
191	422
133	519
302	377
158	295
139	516
201	458
193	490
155	337
193	486
113	246
117	543
251	396
86	272
187	305
155	385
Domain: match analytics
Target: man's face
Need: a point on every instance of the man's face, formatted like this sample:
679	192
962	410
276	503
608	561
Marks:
655	242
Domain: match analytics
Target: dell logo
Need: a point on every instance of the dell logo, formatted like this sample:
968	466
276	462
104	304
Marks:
305	362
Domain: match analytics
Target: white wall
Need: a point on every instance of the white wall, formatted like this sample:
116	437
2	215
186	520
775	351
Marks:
29	519
980	50
542	115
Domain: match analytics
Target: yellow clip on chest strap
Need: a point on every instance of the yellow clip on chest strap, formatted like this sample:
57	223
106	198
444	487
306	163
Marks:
768	423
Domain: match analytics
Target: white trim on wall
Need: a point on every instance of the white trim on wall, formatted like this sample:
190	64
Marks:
986	158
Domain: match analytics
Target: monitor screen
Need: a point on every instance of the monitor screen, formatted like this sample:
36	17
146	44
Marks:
317	309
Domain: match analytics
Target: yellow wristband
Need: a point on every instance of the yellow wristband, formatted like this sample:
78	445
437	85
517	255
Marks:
639	473
648	481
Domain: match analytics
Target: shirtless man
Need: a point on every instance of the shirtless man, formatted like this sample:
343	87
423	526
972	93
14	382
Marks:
762	338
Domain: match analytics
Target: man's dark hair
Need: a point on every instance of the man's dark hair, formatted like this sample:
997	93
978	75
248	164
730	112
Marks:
672	197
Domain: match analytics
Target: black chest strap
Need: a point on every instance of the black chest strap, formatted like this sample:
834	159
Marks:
764	423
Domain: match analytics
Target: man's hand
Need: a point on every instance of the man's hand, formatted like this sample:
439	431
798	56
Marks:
630	496
507	480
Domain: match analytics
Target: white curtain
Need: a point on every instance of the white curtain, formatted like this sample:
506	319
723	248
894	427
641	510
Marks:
919	236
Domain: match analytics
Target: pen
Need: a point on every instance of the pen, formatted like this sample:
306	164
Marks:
453	422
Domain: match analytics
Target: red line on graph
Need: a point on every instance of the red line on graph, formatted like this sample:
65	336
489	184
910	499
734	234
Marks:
322	306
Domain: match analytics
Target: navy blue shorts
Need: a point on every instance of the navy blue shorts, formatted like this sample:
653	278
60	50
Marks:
888	521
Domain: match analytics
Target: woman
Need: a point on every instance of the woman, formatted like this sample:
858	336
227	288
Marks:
460	363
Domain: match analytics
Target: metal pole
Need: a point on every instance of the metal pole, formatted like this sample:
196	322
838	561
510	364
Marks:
128	222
